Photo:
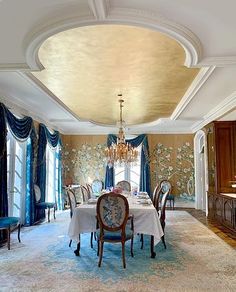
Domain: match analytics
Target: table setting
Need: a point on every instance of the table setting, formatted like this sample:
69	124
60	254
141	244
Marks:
146	220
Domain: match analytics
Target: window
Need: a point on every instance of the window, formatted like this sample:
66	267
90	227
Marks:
16	176
52	170
130	173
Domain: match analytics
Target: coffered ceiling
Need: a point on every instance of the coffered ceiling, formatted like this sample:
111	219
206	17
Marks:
64	61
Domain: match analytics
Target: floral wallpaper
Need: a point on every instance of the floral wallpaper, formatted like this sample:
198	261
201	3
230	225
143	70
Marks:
171	157
176	165
84	163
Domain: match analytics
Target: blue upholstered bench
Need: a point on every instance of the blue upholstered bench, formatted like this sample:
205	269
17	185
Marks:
6	223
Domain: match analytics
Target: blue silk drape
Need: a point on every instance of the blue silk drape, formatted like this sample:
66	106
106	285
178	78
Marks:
21	129
53	139
3	163
145	182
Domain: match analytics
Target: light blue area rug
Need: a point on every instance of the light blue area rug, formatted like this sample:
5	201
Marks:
195	260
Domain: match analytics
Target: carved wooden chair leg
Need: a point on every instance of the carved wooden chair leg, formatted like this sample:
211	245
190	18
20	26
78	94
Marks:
163	241
19	232
123	254
131	248
54	212
91	240
141	239
48	214
100	253
8	237
98	246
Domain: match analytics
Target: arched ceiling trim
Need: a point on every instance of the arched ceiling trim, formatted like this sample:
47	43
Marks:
189	41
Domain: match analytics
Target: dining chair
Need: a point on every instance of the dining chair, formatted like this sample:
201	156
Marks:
97	186
7	223
157	195
112	216
43	205
89	188
162	214
155	200
85	194
124	185
72	203
166	185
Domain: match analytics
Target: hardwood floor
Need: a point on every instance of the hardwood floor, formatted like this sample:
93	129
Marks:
222	232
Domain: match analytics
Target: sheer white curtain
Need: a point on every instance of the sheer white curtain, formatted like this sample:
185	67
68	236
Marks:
52	165
16	176
131	173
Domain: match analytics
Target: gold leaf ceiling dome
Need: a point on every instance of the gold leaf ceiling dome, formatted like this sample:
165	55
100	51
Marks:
86	67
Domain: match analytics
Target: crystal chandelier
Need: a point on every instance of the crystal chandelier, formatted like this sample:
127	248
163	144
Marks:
122	152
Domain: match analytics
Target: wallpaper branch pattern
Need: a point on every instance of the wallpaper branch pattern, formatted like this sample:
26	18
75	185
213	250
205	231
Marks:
84	164
176	165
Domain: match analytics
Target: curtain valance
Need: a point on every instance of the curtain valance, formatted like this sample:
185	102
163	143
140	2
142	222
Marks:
145	168
52	138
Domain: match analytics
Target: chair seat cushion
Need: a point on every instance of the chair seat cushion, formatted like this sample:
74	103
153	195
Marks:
45	205
5	222
169	197
109	235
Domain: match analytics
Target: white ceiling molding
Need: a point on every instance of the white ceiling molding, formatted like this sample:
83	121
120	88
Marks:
184	36
149	19
228	104
14	67
197	83
100	8
218	61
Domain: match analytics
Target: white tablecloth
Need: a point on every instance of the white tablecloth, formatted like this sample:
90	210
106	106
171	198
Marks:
146	220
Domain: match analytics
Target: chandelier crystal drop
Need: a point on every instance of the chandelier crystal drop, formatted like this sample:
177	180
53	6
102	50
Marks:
121	152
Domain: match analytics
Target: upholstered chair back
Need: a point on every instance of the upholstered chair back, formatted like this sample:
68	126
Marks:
163	206
124	185
72	201
89	189
85	194
112	211
97	186
156	196
165	186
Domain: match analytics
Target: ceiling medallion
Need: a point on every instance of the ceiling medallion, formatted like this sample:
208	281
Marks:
121	152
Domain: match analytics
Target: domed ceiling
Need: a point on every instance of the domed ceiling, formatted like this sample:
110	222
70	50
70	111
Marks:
87	67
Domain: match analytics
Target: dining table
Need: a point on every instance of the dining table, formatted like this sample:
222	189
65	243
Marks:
145	218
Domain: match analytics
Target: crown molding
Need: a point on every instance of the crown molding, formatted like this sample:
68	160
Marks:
103	14
228	104
197	83
14	67
99	8
222	61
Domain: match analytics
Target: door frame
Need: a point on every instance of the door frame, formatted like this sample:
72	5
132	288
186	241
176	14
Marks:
200	141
